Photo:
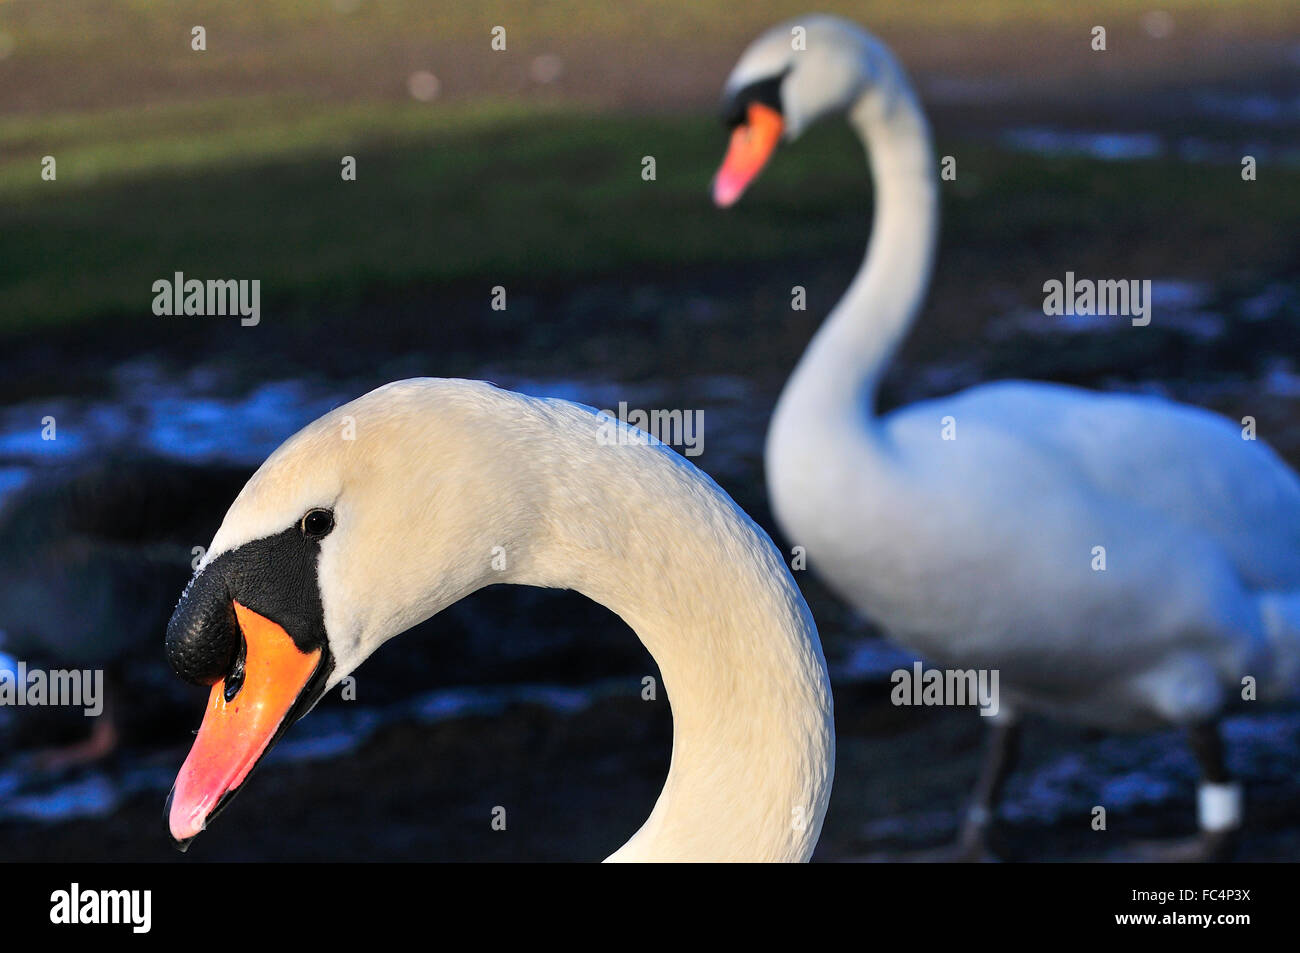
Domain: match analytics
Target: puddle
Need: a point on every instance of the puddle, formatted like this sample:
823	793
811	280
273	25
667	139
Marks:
1248	107
327	733
1176	305
871	660
1052	143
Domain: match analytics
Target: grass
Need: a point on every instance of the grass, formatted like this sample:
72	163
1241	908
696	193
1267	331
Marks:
486	193
463	194
226	164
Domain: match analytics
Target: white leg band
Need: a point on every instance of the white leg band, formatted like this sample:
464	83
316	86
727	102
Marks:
1218	806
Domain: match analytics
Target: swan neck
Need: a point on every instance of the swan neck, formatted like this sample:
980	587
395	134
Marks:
851	353
737	650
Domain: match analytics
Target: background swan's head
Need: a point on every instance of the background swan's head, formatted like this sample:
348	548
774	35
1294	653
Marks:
793	75
364	523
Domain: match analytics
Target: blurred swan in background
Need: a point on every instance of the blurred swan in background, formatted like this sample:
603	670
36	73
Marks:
336	545
1123	561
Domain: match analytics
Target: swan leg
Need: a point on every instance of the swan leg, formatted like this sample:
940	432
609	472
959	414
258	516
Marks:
1000	757
1218	802
1218	795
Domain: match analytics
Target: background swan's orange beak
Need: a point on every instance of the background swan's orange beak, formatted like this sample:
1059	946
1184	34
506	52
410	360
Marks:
752	144
236	733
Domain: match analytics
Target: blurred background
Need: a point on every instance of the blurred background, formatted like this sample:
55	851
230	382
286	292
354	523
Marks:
522	168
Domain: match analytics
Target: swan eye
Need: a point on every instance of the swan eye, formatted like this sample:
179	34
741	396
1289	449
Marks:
317	523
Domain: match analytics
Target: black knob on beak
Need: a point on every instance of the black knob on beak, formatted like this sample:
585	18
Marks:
203	636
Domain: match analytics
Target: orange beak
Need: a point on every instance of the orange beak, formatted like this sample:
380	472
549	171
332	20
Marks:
752	144
237	731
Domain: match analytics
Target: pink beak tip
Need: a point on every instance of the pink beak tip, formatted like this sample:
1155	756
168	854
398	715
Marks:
725	192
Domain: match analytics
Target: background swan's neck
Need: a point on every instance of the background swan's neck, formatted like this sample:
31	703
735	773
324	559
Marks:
841	370
642	532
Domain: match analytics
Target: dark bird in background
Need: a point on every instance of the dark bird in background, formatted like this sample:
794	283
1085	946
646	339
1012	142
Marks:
92	557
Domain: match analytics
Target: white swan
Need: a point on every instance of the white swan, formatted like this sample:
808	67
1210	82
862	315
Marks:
391	508
979	551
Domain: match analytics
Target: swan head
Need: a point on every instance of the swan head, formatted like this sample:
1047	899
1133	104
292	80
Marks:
794	75
366	522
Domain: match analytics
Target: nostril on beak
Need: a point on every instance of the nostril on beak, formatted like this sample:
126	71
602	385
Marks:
235	679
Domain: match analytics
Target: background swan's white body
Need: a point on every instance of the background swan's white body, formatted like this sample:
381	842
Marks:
440	487
979	551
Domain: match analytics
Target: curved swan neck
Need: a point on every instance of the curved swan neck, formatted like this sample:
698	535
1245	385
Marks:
842	367
650	537
549	493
